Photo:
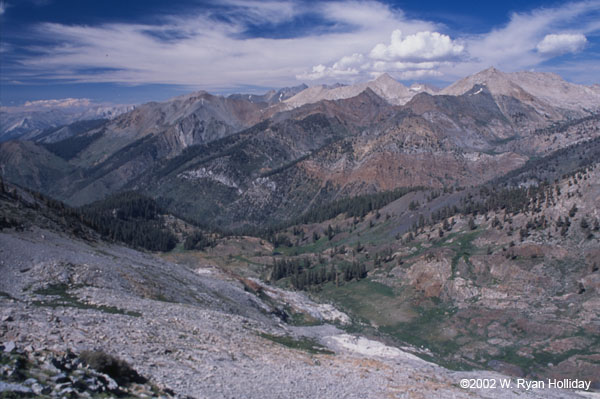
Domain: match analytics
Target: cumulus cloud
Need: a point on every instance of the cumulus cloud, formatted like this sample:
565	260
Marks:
345	67
349	61
556	44
411	56
321	72
421	46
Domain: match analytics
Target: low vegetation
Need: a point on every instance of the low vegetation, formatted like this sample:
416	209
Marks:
59	295
118	369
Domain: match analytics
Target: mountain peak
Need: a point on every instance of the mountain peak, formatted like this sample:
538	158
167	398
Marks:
496	81
385	77
491	73
490	70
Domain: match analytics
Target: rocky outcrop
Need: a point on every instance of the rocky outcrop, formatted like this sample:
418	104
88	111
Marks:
30	372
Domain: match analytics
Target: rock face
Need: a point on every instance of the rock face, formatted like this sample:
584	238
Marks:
430	274
44	373
190	331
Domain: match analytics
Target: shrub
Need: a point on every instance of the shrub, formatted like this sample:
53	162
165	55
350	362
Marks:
116	368
198	241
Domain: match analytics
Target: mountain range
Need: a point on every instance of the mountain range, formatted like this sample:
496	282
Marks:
274	157
35	118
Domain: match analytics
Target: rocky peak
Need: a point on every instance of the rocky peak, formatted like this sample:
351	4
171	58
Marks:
385	78
496	81
491	71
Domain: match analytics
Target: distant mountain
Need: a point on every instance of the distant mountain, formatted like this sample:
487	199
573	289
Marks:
553	89
272	96
422	87
543	91
32	118
384	86
238	160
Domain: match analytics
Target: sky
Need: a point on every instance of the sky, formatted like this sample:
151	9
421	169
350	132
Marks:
127	52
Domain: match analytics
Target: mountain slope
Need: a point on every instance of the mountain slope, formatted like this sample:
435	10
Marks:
172	322
31	165
458	271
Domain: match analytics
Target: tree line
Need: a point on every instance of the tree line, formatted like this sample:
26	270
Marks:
128	217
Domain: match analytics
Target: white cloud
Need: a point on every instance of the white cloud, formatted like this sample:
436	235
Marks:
2	8
407	70
211	52
321	72
513	47
349	61
420	46
519	45
61	103
419	74
383	66
346	67
413	56
556	44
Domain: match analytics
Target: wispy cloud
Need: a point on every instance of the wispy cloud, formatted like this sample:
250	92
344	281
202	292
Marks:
2	7
211	52
213	48
514	46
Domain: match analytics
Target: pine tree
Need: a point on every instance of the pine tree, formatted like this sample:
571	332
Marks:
472	225
573	210
330	232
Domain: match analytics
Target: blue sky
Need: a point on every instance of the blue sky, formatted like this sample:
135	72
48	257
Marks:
137	51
